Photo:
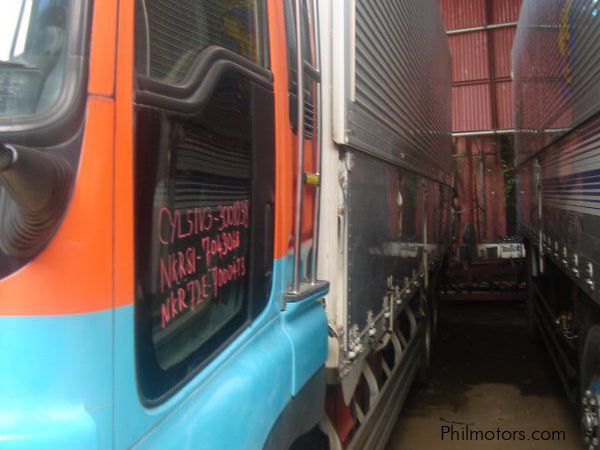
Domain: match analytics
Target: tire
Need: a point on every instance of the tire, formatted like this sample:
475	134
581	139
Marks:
590	383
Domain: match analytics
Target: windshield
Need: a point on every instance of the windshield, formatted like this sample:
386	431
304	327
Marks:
33	41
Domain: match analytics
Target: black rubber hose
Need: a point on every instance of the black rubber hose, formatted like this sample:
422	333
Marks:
37	186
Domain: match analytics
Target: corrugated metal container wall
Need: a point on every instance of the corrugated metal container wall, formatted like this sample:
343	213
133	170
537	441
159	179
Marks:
470	60
504	105
463	97
481	35
463	14
503	41
505	11
471	87
481	169
472	13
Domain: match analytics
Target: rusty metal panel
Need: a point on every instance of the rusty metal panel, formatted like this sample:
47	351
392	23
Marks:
481	181
463	14
472	13
495	224
471	107
502	41
504	11
482	102
482	62
504	105
470	59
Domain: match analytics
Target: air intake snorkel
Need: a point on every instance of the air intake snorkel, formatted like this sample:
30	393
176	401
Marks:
34	189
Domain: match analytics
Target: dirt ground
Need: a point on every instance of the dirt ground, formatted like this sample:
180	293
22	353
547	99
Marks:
490	388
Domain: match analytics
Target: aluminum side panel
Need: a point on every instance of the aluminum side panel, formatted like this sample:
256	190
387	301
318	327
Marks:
556	66
396	100
569	174
386	208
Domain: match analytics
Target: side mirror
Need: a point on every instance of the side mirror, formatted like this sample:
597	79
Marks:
34	189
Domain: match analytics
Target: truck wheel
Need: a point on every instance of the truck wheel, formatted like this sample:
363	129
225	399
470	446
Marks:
590	388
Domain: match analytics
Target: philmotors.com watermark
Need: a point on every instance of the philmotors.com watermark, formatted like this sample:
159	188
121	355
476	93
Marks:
467	432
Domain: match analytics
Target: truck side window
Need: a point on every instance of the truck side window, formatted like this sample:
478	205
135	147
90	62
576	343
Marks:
177	32
197	199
